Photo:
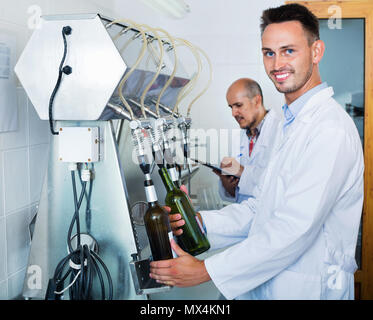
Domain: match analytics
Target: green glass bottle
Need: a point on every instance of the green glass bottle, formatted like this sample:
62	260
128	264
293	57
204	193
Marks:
193	239
157	225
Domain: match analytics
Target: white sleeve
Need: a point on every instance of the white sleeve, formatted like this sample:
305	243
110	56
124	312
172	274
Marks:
314	186
246	184
237	137
224	195
229	225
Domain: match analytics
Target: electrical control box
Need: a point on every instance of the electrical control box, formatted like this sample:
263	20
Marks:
78	144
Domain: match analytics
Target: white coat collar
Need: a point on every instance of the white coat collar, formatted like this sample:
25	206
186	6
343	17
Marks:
305	115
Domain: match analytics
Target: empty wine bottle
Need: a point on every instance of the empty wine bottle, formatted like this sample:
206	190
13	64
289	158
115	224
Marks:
193	239
157	225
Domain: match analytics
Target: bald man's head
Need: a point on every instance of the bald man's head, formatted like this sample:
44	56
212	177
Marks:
245	98
251	87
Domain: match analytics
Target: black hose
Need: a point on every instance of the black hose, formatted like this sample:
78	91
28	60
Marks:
77	206
87	262
82	272
107	274
102	284
88	213
65	31
76	215
89	277
66	275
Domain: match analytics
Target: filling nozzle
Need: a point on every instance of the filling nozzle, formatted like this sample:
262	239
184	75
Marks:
139	136
156	144
162	125
184	126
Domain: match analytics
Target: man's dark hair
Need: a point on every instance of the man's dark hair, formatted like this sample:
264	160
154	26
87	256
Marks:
292	12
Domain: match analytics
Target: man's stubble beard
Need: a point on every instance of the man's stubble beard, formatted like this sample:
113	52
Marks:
250	126
295	87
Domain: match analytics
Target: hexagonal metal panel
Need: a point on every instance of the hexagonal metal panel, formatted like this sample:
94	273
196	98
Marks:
97	67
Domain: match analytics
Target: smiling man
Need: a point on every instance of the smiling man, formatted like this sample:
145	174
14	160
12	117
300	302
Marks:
297	240
291	53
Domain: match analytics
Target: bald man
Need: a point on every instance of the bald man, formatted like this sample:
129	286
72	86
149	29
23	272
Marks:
259	125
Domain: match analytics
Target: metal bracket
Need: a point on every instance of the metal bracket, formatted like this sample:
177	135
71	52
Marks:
143	283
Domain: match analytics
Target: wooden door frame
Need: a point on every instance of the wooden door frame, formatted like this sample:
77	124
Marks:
360	9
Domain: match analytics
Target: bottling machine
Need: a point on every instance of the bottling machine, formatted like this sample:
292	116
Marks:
103	85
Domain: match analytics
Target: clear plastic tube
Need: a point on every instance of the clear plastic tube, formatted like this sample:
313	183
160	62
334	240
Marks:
160	63
172	41
189	87
207	85
134	25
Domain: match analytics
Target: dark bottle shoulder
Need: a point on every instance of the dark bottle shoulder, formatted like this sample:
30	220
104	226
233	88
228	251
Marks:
155	211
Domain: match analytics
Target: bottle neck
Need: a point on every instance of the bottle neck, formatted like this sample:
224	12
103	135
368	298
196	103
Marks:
173	174
151	195
167	181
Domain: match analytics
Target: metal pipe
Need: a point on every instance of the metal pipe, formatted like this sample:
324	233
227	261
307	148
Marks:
187	175
110	23
119	110
147	110
166	109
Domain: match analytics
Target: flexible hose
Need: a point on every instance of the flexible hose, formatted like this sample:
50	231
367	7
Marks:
159	68
65	31
139	58
207	85
82	262
188	87
167	84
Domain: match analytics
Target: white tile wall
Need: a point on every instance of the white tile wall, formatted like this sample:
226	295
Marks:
4	290
1	186
15	284
17	246
37	127
19	138
3	272
38	167
16	179
15	202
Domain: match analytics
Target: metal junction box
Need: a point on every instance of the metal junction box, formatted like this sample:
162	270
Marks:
78	144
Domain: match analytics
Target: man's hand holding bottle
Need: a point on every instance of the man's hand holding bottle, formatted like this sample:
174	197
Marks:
176	220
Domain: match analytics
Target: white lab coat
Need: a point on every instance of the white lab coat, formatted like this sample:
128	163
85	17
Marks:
297	240
255	164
